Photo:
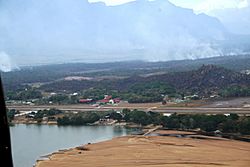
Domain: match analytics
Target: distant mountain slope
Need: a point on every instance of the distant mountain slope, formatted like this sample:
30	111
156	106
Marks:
236	21
93	32
207	78
50	73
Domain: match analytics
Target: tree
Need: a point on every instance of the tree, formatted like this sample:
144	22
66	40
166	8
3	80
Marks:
24	94
139	117
11	114
63	121
39	114
233	116
116	116
60	98
92	117
244	126
229	126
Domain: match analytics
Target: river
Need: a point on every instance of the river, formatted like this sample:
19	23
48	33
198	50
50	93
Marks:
30	142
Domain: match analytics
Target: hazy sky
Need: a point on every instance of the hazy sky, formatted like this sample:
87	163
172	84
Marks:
39	31
198	6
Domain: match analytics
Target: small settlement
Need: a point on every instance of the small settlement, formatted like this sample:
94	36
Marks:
106	100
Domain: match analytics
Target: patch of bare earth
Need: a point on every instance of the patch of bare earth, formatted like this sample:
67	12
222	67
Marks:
154	151
170	132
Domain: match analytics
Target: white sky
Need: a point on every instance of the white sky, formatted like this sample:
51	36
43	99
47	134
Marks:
112	2
198	6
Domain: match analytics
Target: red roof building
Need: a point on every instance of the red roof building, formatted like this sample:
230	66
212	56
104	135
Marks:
116	100
107	97
85	100
103	101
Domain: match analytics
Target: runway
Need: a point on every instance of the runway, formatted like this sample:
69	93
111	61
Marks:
161	109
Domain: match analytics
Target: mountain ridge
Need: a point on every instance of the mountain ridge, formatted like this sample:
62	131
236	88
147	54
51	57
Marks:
146	30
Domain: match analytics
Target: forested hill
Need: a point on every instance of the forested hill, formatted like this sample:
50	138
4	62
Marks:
182	74
206	78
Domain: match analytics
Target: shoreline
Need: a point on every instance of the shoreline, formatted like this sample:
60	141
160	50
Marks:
146	130
124	142
49	155
126	125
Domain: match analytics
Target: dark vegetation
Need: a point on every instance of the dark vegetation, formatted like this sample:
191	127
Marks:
134	81
50	114
235	91
46	113
208	77
62	99
152	91
49	73
207	123
205	81
25	94
11	114
80	118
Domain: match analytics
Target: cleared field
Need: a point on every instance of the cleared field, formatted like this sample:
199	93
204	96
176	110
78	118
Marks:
154	151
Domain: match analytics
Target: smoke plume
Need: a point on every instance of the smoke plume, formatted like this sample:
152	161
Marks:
5	63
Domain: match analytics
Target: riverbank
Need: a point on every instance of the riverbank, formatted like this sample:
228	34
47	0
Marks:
155	151
44	139
27	122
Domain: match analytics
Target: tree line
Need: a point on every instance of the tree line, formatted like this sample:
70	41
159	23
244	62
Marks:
208	123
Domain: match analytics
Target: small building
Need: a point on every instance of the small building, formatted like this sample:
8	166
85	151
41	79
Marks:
103	101
167	114
214	96
86	101
217	132
74	94
107	97
192	97
115	100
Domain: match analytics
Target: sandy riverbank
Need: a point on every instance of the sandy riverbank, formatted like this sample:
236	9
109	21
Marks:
154	151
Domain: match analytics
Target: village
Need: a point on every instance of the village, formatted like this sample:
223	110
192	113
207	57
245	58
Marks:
63	98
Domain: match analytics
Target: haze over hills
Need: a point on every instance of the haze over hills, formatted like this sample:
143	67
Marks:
233	14
183	74
44	31
131	85
236	20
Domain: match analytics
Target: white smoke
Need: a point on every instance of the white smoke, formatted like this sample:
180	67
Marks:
44	31
207	6
5	63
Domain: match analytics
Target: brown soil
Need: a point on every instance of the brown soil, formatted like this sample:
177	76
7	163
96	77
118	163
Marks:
154	151
170	132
